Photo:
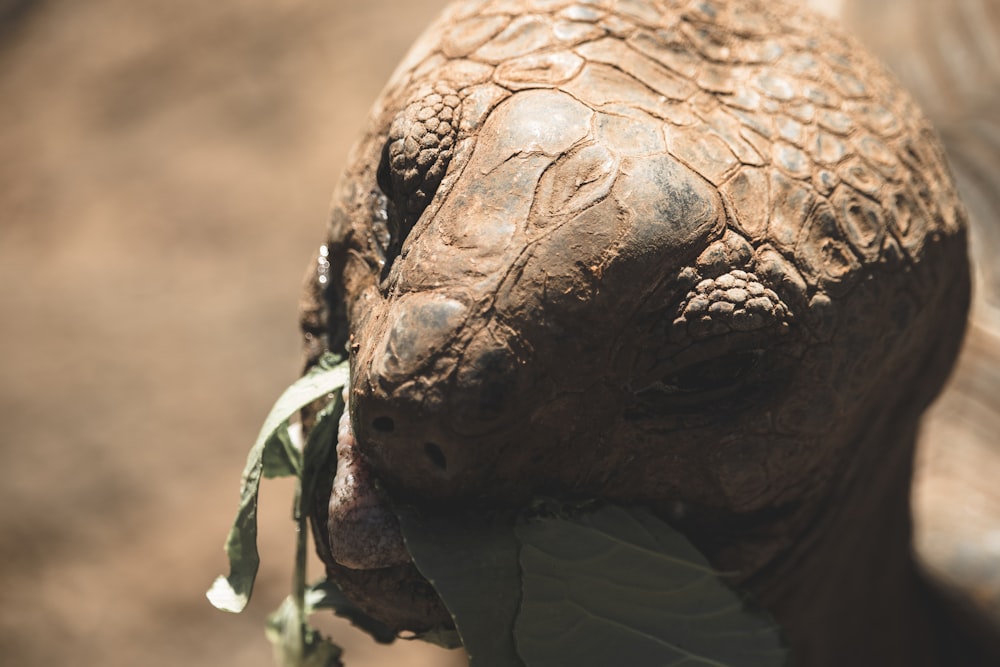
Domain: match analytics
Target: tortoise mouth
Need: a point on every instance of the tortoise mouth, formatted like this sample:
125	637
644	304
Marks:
398	597
363	530
364	549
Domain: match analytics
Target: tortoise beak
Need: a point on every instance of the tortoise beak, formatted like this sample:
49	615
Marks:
364	533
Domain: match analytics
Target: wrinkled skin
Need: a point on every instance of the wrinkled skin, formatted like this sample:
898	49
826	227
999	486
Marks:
700	256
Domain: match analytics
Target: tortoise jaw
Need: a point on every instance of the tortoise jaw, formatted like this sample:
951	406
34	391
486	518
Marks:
365	554
364	532
398	597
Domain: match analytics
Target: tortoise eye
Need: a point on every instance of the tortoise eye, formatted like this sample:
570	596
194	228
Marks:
382	176
386	227
730	378
717	377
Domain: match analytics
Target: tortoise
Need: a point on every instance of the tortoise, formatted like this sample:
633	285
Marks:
703	256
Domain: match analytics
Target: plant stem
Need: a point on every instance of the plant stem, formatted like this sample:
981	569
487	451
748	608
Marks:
301	539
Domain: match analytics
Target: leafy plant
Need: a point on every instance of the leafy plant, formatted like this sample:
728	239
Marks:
274	454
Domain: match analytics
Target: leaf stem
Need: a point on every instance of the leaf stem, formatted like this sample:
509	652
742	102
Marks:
301	544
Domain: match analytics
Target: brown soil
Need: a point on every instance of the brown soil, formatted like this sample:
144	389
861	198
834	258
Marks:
166	173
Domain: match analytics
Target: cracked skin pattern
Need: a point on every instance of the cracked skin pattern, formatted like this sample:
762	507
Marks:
701	256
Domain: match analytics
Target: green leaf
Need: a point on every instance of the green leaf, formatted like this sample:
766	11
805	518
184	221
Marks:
618	586
280	457
443	637
296	644
472	563
320	455
273	444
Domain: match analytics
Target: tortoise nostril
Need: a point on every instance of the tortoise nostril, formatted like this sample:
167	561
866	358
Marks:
384	424
435	454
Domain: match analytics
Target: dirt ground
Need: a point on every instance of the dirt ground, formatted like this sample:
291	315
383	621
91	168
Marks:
165	174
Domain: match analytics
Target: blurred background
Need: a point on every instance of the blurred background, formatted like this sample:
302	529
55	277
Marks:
165	170
165	173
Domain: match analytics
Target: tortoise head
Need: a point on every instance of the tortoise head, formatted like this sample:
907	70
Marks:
585	271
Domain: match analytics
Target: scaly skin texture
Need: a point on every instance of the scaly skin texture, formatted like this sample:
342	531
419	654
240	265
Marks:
701	256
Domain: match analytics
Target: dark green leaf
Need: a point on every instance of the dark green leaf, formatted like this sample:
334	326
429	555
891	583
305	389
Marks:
618	586
295	643
443	637
280	456
472	563
320	454
233	592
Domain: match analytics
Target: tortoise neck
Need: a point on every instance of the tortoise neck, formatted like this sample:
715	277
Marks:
851	593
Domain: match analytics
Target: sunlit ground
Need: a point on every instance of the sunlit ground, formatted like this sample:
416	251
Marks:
165	175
